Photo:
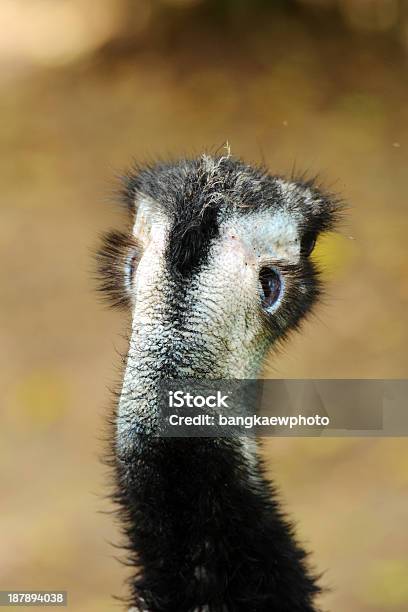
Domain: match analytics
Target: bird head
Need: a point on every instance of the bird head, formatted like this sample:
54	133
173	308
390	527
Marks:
215	270
216	265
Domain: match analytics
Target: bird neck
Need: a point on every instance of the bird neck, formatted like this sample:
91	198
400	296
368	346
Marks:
202	521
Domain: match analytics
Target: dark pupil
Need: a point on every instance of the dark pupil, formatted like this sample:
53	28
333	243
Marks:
271	286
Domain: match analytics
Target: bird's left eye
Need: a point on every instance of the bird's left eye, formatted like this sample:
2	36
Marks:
271	286
132	265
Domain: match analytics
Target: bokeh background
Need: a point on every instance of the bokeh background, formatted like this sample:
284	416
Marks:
87	85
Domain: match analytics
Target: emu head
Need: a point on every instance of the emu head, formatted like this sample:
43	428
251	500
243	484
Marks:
215	267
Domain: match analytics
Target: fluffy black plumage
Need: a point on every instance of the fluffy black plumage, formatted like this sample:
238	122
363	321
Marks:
203	527
193	193
208	542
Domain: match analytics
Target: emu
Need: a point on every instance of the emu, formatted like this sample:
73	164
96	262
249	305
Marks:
215	270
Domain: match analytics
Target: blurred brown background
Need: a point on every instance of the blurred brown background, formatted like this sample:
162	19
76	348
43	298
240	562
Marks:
87	85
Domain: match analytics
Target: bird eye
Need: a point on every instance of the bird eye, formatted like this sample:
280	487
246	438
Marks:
271	286
131	265
308	243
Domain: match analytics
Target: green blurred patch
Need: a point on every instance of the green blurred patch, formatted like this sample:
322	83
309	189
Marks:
42	397
334	254
364	106
387	585
394	461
